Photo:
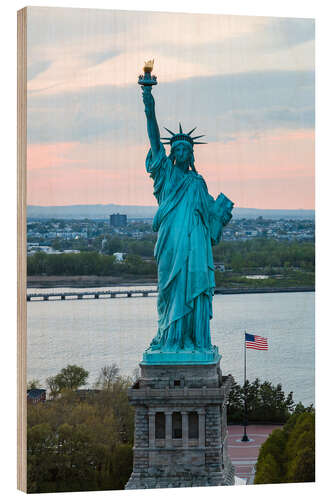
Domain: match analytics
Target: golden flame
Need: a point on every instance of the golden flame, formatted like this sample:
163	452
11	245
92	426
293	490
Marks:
148	66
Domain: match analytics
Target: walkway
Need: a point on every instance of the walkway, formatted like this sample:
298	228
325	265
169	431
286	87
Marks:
244	455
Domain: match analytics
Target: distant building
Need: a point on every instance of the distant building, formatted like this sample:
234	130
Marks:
35	396
42	248
120	256
103	246
118	220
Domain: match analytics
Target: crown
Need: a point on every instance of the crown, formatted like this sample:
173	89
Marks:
181	136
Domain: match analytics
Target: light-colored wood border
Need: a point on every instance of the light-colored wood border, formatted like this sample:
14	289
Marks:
21	249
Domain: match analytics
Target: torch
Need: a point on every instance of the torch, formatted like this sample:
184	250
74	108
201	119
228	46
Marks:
147	79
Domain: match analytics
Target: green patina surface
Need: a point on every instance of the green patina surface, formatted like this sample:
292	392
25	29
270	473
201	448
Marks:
188	221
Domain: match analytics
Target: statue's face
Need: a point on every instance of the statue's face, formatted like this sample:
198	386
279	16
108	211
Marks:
182	153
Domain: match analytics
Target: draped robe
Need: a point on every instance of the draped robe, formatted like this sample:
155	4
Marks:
188	222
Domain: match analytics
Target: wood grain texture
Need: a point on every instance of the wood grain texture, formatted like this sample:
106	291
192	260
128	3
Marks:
21	249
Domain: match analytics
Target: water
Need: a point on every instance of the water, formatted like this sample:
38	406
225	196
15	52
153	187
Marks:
93	333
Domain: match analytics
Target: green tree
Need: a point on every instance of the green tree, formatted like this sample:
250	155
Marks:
268	472
122	463
40	443
302	467
264	401
53	387
300	449
274	447
288	455
235	404
295	259
72	377
107	376
34	384
80	445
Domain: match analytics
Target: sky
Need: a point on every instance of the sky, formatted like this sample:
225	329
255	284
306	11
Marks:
247	83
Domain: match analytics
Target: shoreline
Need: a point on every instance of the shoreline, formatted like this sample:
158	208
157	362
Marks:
86	281
112	281
235	291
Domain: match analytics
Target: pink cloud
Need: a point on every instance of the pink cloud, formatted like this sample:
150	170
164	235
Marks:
74	173
51	155
274	171
260	173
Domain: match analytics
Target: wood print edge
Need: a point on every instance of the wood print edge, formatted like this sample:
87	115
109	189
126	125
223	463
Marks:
21	249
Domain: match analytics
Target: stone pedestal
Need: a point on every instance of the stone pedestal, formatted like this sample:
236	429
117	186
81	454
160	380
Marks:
180	427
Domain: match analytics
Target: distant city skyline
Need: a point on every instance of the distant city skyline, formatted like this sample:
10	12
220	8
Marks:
245	82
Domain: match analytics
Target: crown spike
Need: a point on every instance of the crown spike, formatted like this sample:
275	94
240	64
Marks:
198	136
181	136
190	132
172	133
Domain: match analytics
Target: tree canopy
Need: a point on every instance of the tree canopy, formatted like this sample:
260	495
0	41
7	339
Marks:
72	377
81	440
265	402
288	455
240	256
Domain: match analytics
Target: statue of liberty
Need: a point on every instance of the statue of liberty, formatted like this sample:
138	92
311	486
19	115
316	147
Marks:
188	221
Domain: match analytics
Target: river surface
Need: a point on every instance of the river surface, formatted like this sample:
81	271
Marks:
94	333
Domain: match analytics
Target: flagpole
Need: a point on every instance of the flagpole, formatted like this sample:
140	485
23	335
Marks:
245	437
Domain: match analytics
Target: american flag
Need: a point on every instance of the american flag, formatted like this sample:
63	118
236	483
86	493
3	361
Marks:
256	342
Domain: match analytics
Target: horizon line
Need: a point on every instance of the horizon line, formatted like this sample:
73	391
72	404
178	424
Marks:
150	206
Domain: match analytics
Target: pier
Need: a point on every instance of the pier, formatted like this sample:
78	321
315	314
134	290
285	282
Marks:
106	294
112	294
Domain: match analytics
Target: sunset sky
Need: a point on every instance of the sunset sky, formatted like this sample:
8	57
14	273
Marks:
245	82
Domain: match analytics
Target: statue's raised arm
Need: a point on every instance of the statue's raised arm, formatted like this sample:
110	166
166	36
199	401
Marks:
152	125
147	81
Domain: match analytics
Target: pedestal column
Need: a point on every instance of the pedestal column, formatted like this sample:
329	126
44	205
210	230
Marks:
151	415
168	429
202	428
185	428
